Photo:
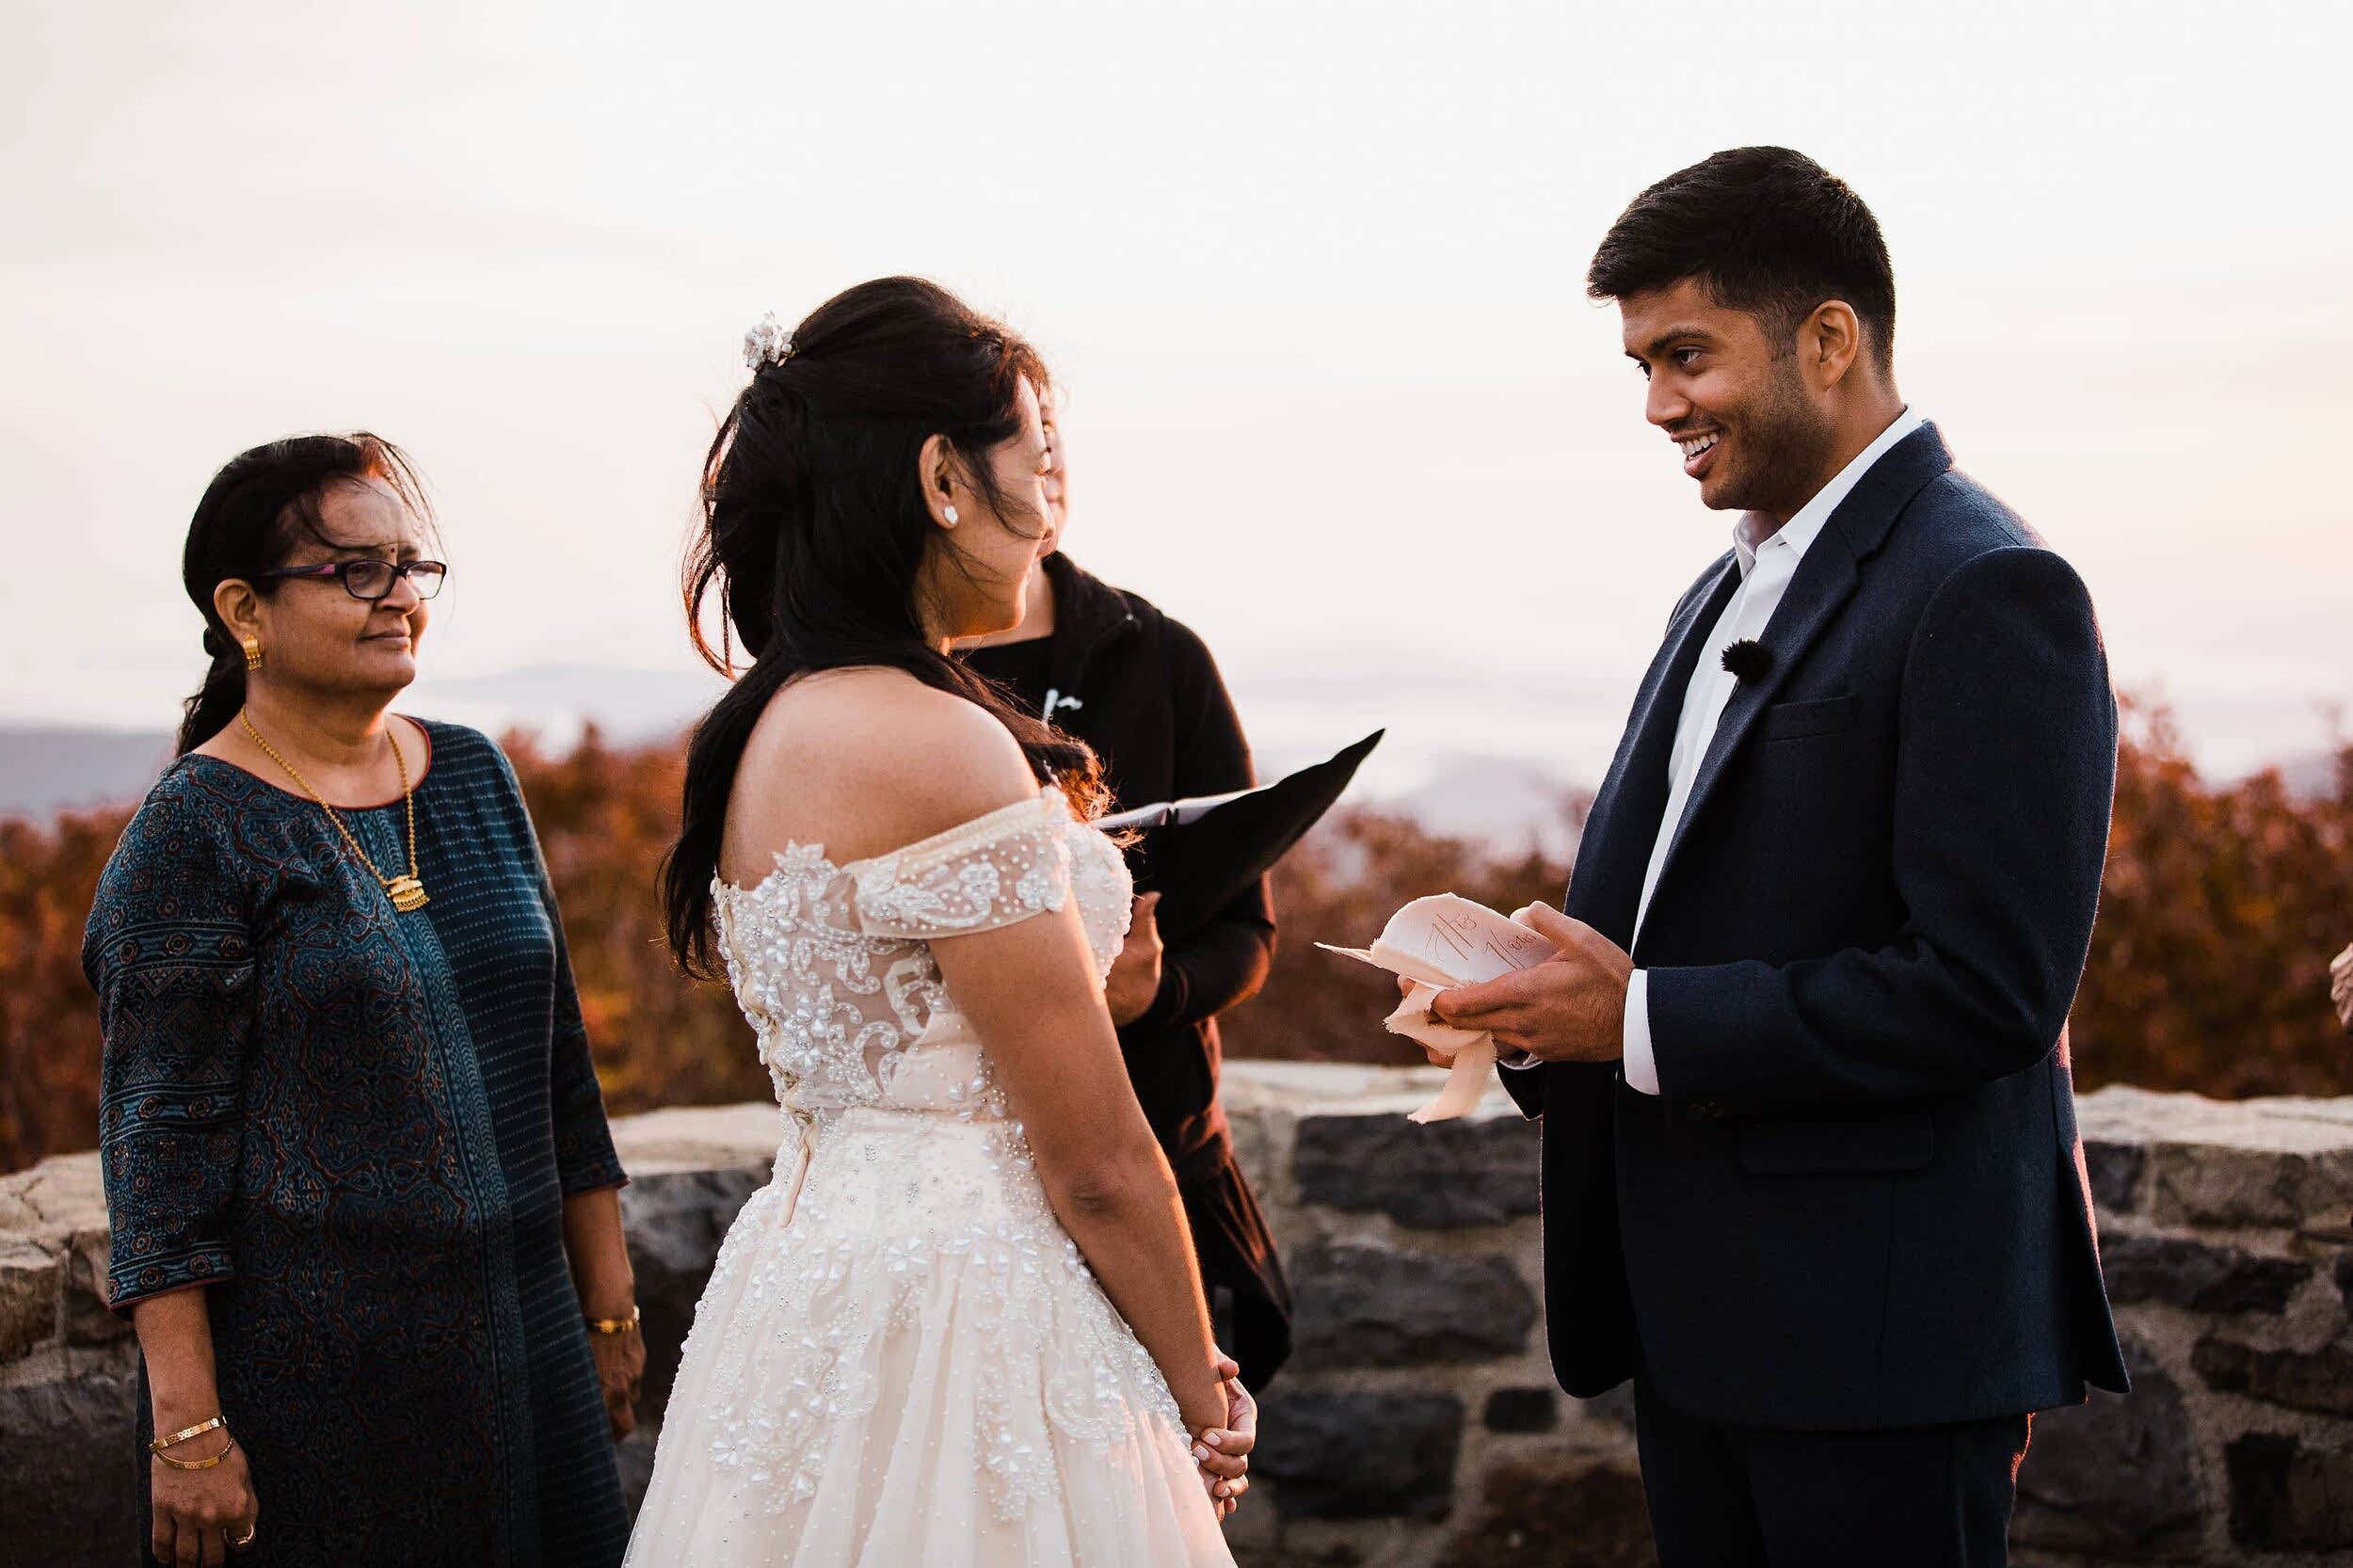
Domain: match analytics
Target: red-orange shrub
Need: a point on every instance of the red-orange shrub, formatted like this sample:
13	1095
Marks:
2222	906
2219	912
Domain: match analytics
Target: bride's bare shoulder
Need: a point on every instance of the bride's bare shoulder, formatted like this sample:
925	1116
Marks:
863	760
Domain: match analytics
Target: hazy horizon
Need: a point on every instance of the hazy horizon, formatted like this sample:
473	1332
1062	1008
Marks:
1311	279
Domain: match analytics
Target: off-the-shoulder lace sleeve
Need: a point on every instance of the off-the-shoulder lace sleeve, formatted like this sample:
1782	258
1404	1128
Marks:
994	871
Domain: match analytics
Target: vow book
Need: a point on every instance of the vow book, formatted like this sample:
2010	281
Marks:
1207	849
1438	943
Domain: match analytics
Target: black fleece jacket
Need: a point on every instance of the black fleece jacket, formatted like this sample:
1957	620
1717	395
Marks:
1141	689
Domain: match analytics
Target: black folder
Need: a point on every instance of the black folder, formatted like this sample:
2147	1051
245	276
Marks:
1205	850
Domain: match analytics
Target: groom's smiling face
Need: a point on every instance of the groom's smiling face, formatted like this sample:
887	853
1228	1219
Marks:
1726	388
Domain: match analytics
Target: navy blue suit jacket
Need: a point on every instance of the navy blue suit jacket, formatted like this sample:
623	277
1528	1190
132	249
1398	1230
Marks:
1859	1201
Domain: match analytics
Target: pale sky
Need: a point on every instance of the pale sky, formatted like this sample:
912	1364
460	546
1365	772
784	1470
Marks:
1312	276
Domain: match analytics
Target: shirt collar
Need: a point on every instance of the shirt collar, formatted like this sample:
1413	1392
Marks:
1800	531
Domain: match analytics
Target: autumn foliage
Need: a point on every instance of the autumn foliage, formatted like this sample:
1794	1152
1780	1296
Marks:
2222	908
2218	914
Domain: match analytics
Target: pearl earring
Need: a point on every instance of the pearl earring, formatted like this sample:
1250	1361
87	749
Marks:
952	515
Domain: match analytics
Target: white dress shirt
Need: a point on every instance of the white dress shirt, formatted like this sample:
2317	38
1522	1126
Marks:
1766	562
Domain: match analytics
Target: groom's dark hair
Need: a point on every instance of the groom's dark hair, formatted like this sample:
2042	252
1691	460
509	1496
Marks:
1765	229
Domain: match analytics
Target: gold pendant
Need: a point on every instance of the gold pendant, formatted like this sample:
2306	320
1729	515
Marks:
407	893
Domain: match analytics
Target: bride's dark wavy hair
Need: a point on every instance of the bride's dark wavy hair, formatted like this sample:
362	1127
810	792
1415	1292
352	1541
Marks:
814	529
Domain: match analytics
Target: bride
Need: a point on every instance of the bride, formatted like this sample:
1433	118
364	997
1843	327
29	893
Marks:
962	1326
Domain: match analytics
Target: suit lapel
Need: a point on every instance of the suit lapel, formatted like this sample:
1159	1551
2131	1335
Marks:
1614	851
1824	579
1824	582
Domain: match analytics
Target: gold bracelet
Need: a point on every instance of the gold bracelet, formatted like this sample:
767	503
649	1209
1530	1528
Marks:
614	1325
183	1434
226	1449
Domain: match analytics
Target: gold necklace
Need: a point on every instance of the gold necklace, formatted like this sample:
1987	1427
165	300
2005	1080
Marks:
407	892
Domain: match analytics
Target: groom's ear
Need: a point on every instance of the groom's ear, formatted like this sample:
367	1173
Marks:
1830	341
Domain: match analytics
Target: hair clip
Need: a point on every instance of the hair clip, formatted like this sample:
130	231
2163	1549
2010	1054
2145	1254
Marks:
1748	660
766	343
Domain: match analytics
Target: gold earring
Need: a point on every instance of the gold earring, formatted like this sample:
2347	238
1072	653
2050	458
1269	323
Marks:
253	653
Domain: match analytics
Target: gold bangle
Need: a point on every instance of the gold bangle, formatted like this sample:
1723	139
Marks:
226	1449
184	1434
614	1325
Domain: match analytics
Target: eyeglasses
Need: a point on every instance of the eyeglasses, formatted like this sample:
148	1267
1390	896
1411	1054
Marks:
371	579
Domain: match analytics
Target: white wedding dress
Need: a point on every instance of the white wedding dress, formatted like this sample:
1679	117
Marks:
901	1358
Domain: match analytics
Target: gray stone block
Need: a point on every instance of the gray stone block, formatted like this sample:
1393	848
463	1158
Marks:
675	1221
1441	1177
2191	1274
1523	1410
2112	1478
1360	1456
2115	1170
2319	1380
677	1218
1556	1511
1367	1307
2224	1184
633	1457
1616	1406
1253	1532
16	1217
2287	1497
1289	1551
31	1280
87	1320
68	1487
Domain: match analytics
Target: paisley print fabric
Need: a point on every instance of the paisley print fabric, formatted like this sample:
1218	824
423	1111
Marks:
354	1129
902	1357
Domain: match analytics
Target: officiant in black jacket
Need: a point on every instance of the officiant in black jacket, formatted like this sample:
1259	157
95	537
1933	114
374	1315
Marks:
1105	665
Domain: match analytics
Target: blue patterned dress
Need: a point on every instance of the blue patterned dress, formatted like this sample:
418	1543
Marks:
358	1129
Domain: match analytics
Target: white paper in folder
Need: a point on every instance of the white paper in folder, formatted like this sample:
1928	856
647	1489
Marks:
1438	943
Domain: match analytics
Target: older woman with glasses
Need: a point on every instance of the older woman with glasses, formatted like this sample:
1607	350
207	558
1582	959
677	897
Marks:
364	1204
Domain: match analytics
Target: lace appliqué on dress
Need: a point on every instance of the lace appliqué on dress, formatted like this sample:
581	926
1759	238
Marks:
802	1362
994	871
831	964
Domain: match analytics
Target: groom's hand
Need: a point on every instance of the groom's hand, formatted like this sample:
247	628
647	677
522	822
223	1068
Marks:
1569	1008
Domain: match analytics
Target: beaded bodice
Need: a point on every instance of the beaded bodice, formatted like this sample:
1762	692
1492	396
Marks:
832	964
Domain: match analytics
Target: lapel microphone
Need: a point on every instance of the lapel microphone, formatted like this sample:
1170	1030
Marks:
1748	661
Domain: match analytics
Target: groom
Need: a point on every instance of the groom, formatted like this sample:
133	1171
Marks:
1811	1171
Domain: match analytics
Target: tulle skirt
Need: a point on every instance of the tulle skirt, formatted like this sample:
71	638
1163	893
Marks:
902	1359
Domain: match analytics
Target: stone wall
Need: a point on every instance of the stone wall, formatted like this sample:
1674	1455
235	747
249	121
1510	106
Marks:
1419	1426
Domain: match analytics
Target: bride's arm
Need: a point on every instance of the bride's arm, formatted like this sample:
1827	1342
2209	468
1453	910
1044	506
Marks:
836	769
1029	992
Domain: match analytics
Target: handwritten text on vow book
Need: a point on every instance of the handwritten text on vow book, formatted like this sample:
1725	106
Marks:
1438	943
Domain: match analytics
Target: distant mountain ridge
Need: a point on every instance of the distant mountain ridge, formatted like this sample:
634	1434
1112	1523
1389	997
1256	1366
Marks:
1493	759
46	769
